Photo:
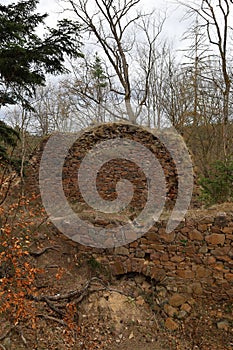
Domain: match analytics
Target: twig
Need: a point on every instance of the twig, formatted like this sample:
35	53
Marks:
38	226
23	339
53	307
63	323
42	251
77	294
19	331
52	266
70	295
6	334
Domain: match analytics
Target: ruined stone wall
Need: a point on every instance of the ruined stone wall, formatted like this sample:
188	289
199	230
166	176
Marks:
115	169
195	259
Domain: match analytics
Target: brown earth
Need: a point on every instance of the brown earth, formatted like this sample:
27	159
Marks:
111	313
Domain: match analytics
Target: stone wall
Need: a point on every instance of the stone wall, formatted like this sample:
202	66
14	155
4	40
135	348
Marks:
115	169
195	259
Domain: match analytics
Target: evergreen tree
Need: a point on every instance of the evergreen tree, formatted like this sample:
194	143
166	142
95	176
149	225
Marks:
8	137
26	58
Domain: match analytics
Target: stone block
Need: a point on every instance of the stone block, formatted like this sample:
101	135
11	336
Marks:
177	300
122	251
186	307
167	237
197	288
117	268
203	227
215	239
170	310
177	258
195	235
202	272
221	251
228	230
229	277
171	324
186	274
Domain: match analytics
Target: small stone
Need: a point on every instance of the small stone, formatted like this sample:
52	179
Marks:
131	335
229	277
177	300
170	310
167	237
203	249
220	251
191	301
203	227
224	325
211	260
197	288
170	324
139	279
219	266
146	286
177	258
182	314
140	254
172	288
221	219
117	268
134	244
186	307
140	301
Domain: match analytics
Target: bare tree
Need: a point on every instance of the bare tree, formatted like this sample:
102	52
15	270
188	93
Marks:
52	110
88	91
215	16
113	25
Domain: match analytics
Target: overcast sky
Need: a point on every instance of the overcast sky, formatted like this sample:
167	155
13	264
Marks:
173	29
174	26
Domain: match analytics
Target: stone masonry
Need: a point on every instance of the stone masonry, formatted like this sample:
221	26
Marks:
196	259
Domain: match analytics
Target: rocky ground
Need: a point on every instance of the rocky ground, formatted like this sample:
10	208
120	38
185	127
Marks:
129	312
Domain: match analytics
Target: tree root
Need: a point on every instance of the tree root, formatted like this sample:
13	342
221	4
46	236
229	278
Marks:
59	301
47	317
42	251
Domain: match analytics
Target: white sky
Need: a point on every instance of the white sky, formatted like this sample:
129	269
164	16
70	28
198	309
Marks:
173	29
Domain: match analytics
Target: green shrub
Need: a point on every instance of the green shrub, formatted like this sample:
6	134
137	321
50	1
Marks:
218	187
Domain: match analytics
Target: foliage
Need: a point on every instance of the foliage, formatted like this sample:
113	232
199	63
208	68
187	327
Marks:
218	187
93	263
25	58
20	302
17	274
98	73
8	137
